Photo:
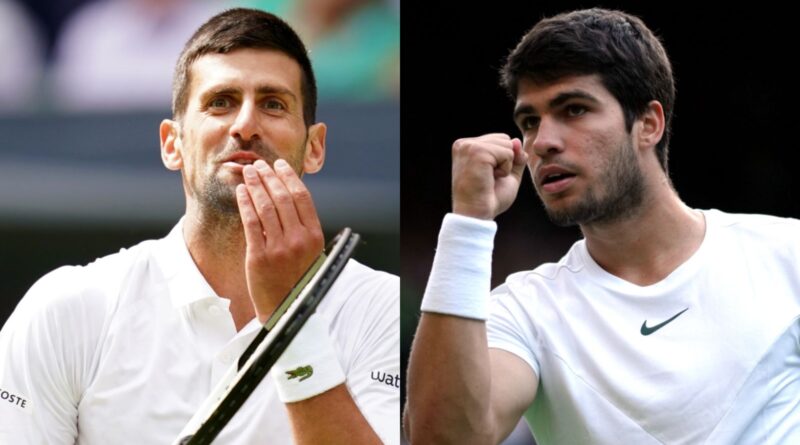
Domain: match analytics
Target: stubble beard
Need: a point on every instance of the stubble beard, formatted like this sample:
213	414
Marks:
624	190
217	199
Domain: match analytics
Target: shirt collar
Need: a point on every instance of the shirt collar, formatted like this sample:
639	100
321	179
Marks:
185	283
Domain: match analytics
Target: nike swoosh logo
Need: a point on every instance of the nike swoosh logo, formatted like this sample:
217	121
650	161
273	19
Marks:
649	330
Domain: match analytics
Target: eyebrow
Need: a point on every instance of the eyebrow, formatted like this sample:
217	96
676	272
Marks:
555	102
262	90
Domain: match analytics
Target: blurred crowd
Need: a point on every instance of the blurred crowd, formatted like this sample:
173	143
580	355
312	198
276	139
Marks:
99	55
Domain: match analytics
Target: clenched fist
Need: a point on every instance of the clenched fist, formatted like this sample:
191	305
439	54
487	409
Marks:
487	171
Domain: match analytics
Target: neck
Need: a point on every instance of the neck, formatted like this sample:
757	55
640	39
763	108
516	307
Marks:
645	247
217	246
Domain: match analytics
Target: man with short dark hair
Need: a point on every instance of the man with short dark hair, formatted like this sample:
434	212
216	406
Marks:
665	324
125	349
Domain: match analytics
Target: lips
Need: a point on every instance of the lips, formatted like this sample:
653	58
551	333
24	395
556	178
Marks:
241	158
241	161
554	178
238	160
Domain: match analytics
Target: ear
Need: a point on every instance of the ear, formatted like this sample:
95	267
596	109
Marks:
652	125
315	148
171	145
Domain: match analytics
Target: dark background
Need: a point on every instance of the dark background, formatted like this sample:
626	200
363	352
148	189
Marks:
734	141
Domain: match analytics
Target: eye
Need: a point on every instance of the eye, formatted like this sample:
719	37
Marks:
575	110
274	104
529	123
219	102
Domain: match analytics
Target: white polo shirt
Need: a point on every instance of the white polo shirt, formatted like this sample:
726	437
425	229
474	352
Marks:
125	349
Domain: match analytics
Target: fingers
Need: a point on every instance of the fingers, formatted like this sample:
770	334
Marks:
495	151
301	197
282	232
278	198
520	158
253	231
498	146
262	202
279	194
516	164
486	174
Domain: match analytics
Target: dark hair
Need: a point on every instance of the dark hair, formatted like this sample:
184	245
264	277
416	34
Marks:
243	28
628	57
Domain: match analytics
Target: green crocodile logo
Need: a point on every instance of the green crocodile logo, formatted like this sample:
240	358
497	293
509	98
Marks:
303	372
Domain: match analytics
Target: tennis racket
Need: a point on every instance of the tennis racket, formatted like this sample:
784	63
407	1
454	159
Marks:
275	336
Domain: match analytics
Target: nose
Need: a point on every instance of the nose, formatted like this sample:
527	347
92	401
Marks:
245	125
548	140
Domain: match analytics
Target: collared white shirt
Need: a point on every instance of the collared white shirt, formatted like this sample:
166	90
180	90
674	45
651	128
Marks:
125	349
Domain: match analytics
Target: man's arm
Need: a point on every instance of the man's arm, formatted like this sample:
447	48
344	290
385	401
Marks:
371	357
45	350
331	417
284	236
459	390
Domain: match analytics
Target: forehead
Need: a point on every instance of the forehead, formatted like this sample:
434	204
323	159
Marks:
245	69
540	96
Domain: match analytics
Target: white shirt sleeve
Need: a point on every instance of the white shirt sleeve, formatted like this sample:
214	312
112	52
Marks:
46	348
371	350
507	328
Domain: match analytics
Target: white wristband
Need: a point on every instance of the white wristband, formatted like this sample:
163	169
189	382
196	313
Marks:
309	365
460	279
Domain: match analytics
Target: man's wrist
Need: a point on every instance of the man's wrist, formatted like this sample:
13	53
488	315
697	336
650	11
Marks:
309	366
472	212
460	279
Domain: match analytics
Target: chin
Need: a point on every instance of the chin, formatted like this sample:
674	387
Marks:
219	194
230	177
566	212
